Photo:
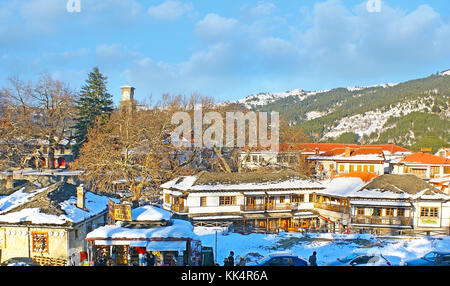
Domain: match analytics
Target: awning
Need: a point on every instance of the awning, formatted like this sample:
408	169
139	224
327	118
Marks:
166	245
112	242
138	243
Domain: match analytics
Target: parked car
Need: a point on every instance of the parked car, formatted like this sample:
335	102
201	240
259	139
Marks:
279	259
20	261
433	258
361	259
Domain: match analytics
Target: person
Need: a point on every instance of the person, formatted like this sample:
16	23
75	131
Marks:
151	259
241	261
313	259
225	262
231	258
173	261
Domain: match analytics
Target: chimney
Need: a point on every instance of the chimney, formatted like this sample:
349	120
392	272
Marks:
9	179
80	196
347	151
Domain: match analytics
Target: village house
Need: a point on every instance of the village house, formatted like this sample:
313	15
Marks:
346	160
257	201
38	153
398	204
49	223
423	165
291	154
284	201
443	152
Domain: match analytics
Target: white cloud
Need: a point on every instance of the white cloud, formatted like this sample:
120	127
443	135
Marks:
170	10
214	27
262	9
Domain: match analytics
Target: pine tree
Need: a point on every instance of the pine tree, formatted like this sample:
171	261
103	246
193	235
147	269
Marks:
94	103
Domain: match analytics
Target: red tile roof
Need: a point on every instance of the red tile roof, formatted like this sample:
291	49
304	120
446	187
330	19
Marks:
424	158
365	176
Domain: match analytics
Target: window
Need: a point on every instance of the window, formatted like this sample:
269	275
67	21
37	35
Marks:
360	211
372	168
227	200
311	197
429	212
359	168
40	242
251	201
167	198
366	168
352	168
389	212
282	198
298	199
341	168
202	201
400	212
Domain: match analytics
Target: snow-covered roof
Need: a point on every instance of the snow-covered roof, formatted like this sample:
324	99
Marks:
13	208
342	187
229	182
178	229
150	213
187	184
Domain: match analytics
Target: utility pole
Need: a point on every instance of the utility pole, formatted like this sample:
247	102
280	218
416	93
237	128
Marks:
215	249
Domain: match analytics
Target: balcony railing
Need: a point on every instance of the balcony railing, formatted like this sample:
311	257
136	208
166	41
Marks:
332	207
179	209
382	220
271	207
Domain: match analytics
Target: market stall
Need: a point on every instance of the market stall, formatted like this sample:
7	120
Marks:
152	238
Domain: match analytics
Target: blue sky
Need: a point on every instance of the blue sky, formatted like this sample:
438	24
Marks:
224	49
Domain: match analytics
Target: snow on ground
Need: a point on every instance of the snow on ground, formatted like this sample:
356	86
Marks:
328	246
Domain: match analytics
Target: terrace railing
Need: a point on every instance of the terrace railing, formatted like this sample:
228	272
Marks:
382	220
332	207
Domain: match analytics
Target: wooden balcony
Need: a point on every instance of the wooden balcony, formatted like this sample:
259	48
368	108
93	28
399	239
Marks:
269	207
332	207
179	209
382	220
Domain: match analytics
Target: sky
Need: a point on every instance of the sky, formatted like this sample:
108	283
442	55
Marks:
224	49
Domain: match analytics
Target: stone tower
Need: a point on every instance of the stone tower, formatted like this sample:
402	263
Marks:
127	103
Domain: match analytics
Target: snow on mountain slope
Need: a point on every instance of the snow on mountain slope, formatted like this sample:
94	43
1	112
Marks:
374	121
262	99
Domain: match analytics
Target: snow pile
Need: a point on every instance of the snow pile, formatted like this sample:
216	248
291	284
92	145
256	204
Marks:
150	213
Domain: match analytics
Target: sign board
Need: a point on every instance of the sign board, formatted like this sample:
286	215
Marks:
429	221
426	149
122	212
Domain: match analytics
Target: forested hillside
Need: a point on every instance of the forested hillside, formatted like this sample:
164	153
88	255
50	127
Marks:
404	113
